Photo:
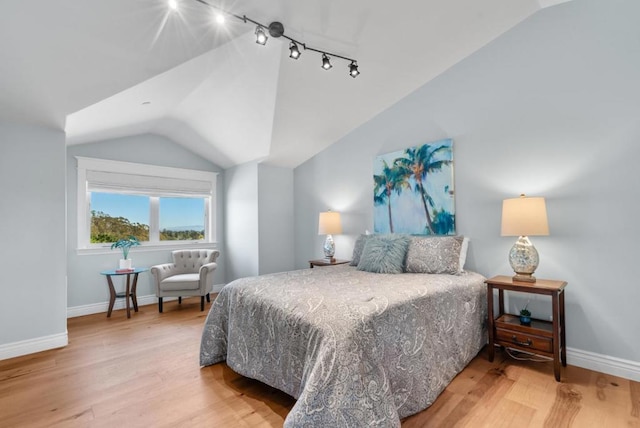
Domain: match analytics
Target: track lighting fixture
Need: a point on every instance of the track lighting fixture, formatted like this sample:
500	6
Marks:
295	52
326	64
276	29
261	36
353	69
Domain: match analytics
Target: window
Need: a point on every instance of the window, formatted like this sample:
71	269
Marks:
118	215
182	219
157	205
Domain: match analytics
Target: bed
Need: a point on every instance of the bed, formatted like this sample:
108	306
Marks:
354	348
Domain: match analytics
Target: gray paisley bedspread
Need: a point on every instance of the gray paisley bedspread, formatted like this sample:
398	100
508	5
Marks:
354	348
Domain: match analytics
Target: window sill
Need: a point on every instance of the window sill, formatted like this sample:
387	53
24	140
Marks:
172	245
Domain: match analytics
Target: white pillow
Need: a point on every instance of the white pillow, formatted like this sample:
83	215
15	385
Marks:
463	253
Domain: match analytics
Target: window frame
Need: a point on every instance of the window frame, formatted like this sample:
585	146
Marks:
144	171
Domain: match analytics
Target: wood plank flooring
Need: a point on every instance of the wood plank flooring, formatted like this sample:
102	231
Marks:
144	372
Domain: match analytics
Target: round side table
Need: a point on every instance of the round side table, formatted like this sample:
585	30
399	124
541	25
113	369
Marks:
130	289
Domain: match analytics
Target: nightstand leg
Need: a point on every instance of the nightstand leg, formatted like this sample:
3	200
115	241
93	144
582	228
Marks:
563	334
490	320
556	336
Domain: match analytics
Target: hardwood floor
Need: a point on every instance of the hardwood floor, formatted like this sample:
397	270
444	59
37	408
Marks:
144	372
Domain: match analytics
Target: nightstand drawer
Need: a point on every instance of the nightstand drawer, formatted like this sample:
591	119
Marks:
524	341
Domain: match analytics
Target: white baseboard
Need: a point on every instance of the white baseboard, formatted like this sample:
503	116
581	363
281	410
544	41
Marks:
31	346
39	344
604	364
96	308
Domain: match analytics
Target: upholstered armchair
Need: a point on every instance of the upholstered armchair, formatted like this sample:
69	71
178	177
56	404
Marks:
190	274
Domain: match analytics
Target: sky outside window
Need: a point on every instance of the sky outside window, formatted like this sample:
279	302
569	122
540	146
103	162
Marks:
175	213
182	213
134	208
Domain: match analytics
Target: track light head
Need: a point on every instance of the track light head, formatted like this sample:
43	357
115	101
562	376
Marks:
353	69
261	36
295	52
326	64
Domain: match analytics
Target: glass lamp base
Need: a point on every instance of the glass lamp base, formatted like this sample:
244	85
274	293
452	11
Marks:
524	260
329	248
524	278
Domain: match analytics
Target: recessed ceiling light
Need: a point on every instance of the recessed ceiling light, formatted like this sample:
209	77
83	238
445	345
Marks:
173	4
220	19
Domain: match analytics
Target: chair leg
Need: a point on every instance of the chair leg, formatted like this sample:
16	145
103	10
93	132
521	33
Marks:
160	304
180	300
208	298
201	303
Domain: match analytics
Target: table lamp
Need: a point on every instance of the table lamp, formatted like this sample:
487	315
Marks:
328	224
524	217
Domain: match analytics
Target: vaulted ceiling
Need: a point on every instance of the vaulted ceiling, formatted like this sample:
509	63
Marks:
102	69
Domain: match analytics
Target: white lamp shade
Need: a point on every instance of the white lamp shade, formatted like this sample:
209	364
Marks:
329	223
524	216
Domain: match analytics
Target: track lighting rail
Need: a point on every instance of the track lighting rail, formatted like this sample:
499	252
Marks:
276	30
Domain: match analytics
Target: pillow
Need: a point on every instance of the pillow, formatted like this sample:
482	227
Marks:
357	249
384	253
434	254
463	253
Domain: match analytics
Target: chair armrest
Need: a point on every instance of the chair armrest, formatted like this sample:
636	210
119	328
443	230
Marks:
208	268
160	272
206	276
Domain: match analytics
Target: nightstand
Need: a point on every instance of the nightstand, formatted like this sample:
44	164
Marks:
326	262
546	338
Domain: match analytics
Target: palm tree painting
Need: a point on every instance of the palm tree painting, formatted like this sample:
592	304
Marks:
413	190
389	181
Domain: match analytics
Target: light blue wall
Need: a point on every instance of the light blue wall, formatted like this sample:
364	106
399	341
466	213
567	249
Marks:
259	218
86	285
32	231
548	109
241	221
275	218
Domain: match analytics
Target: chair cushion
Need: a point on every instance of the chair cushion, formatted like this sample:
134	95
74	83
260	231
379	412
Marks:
185	281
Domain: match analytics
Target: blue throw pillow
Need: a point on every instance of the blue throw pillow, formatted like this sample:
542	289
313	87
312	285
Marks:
358	247
384	254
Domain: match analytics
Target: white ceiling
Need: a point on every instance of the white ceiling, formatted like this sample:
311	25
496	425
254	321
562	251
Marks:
87	66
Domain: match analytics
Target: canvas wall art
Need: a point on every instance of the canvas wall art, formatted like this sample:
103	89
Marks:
414	190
